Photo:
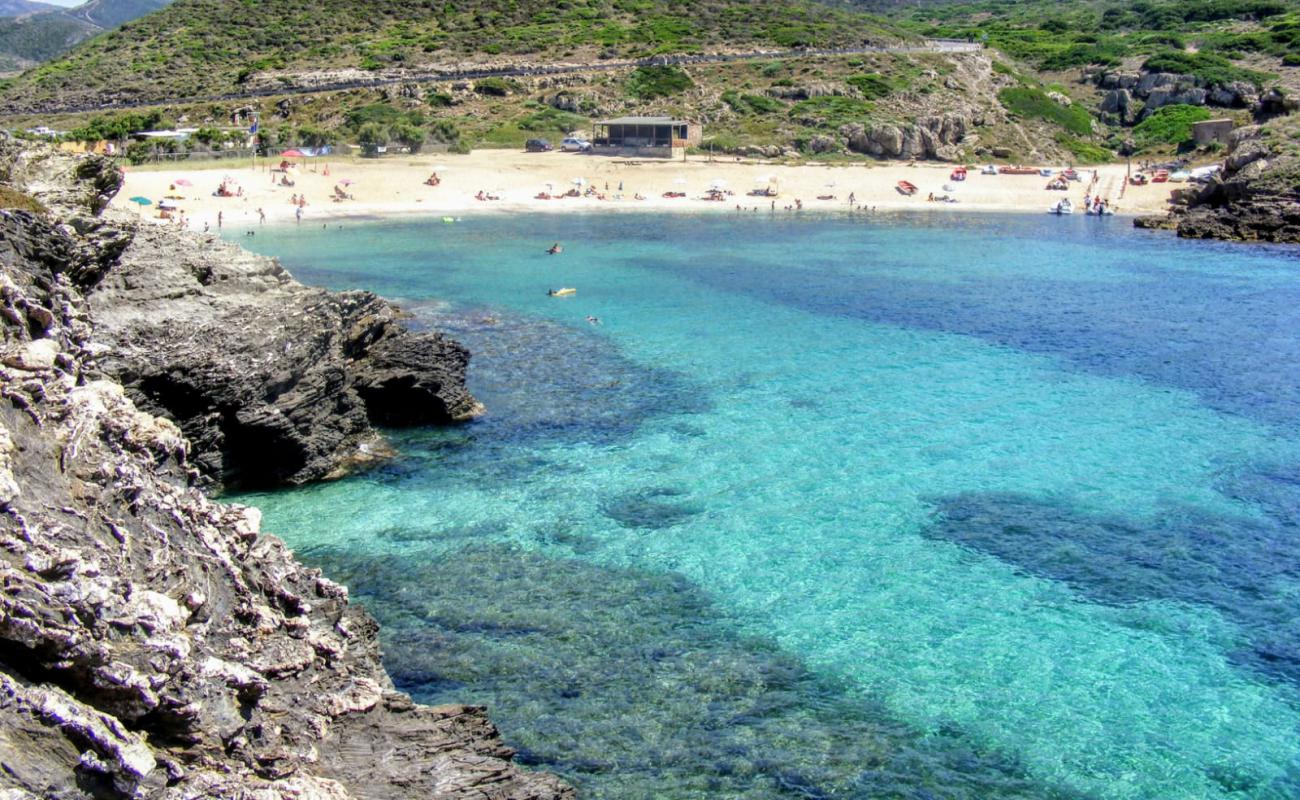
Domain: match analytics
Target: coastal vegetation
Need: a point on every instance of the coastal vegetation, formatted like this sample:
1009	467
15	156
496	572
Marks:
1029	102
1170	125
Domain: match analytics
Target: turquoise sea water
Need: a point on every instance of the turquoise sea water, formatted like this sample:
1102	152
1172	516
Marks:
917	507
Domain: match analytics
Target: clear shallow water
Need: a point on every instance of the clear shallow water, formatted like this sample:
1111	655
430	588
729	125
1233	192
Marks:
909	507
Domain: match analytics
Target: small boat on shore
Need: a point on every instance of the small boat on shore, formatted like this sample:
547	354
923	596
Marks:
563	291
907	188
1018	171
1161	176
958	174
1062	207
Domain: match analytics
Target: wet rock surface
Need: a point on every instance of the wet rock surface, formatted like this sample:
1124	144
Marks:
154	643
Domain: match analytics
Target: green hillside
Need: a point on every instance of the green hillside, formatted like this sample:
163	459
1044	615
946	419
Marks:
44	32
38	37
1057	35
198	47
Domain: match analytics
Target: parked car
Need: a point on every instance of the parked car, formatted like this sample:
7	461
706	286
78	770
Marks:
575	145
538	146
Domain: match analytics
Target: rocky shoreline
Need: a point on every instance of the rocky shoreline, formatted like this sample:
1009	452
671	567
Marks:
1255	197
153	642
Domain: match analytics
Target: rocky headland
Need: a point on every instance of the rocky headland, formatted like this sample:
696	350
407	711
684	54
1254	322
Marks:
1255	196
153	642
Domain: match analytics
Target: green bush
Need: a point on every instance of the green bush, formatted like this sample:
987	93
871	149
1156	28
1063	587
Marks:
649	83
873	85
1170	125
1028	103
409	136
752	103
371	137
552	119
1210	68
438	99
495	87
1085	152
830	112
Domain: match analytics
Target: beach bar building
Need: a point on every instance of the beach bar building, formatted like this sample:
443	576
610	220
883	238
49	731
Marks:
662	137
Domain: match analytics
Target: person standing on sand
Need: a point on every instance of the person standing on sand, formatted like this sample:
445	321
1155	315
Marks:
261	216
219	218
298	214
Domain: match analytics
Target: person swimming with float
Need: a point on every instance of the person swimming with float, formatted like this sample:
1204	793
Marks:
554	249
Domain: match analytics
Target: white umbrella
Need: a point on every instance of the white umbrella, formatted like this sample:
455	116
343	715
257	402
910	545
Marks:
579	181
718	184
764	179
440	166
680	181
831	185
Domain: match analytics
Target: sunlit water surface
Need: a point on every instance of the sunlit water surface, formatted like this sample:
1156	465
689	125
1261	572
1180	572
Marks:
919	507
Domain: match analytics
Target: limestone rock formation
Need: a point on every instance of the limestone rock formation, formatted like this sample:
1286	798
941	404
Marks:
931	137
154	643
272	381
1158	89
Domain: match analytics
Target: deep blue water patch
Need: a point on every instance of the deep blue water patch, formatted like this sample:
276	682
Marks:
632	684
1220	320
1247	570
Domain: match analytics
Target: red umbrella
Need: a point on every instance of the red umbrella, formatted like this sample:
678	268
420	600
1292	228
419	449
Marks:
292	154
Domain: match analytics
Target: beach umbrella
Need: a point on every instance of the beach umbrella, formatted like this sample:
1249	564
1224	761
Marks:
142	201
680	181
182	182
345	182
718	183
579	181
831	185
292	154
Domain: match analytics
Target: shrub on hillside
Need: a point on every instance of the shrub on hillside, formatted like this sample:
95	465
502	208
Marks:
649	83
1208	67
873	85
1029	103
1170	125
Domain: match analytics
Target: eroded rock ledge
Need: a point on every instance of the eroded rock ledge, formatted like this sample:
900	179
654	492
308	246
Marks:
273	382
153	643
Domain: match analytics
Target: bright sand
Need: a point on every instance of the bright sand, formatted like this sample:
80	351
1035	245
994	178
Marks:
396	186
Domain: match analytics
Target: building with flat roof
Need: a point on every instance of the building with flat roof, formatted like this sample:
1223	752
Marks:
1211	130
661	137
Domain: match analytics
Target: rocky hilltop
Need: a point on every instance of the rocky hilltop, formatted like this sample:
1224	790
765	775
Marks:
153	643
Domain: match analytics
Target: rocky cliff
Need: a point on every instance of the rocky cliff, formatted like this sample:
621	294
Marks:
153	643
271	381
1254	197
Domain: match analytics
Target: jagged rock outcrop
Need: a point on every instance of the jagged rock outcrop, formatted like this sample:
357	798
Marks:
931	137
1255	197
154	643
272	381
1118	103
1158	89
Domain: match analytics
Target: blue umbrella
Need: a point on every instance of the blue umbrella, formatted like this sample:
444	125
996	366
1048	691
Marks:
143	201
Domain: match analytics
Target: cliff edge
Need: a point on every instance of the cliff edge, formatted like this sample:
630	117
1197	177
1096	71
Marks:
154	643
273	382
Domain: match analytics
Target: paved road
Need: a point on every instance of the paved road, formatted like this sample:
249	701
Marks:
431	76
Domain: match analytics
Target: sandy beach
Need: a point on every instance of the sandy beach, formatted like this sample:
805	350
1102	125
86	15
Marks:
395	186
